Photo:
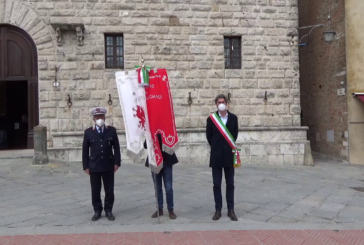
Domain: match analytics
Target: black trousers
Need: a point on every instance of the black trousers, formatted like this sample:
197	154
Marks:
108	181
229	178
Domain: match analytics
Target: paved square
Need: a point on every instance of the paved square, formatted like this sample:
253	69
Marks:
194	238
56	199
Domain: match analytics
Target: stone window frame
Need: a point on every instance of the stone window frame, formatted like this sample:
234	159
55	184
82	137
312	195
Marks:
114	54
235	58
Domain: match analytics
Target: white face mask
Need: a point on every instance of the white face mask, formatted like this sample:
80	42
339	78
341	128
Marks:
100	122
222	107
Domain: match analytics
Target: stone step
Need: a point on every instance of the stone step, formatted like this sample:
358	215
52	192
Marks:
16	154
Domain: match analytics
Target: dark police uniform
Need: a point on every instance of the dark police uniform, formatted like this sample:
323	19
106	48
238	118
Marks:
104	154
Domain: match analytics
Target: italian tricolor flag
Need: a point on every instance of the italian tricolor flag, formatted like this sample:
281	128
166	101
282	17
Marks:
143	75
229	138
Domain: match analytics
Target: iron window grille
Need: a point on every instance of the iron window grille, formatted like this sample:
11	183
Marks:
114	51
232	52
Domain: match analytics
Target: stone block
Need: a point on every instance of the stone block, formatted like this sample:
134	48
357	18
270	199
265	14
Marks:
244	121
99	95
72	141
276	160
292	149
202	8
273	149
287	121
63	113
75	155
295	109
198	50
62	12
259	160
81	75
232	73
249	83
298	159
245	160
190	122
47	113
258	150
51	104
288	160
81	95
296	120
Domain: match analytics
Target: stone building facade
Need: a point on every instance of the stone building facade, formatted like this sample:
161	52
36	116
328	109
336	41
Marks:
323	77
185	37
332	79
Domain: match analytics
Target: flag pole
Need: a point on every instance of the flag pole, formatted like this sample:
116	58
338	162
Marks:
155	175
156	194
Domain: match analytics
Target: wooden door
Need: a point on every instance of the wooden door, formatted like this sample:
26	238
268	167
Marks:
18	62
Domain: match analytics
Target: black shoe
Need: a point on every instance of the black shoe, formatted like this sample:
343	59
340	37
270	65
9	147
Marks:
96	217
232	215
155	215
217	215
110	216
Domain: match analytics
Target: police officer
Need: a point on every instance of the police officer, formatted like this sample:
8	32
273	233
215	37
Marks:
102	163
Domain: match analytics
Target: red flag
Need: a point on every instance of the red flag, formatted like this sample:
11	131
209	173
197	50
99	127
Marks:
160	113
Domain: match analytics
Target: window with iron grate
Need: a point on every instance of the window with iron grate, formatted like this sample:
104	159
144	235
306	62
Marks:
232	52
114	51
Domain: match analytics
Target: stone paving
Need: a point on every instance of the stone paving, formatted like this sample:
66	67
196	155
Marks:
194	238
55	199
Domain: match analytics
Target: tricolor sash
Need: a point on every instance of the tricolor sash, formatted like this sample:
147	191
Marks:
229	138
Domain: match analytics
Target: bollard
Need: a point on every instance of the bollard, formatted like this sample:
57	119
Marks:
308	160
40	145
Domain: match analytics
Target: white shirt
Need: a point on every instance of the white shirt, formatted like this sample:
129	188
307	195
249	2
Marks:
100	129
224	119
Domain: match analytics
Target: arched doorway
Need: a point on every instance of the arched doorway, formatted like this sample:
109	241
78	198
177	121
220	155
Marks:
18	88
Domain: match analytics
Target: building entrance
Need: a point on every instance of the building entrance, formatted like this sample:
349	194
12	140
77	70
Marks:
18	88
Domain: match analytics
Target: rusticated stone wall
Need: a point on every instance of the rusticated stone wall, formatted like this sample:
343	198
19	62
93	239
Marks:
184	36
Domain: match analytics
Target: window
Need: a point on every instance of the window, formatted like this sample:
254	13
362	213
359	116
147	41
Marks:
232	52
114	51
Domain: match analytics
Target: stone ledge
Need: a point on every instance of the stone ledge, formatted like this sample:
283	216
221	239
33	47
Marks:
188	143
197	130
252	153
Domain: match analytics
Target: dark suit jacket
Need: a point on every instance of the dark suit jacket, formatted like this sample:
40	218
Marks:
102	157
221	152
167	158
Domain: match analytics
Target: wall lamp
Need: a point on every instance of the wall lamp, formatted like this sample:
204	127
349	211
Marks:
328	35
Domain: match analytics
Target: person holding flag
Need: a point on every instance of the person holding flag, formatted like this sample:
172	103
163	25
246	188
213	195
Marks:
221	133
166	174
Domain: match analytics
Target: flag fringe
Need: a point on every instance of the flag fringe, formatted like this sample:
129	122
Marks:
156	169
170	150
133	155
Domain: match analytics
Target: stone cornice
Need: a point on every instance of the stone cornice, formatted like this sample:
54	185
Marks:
198	130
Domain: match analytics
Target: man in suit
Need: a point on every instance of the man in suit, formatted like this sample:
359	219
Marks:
102	163
166	175
221	157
